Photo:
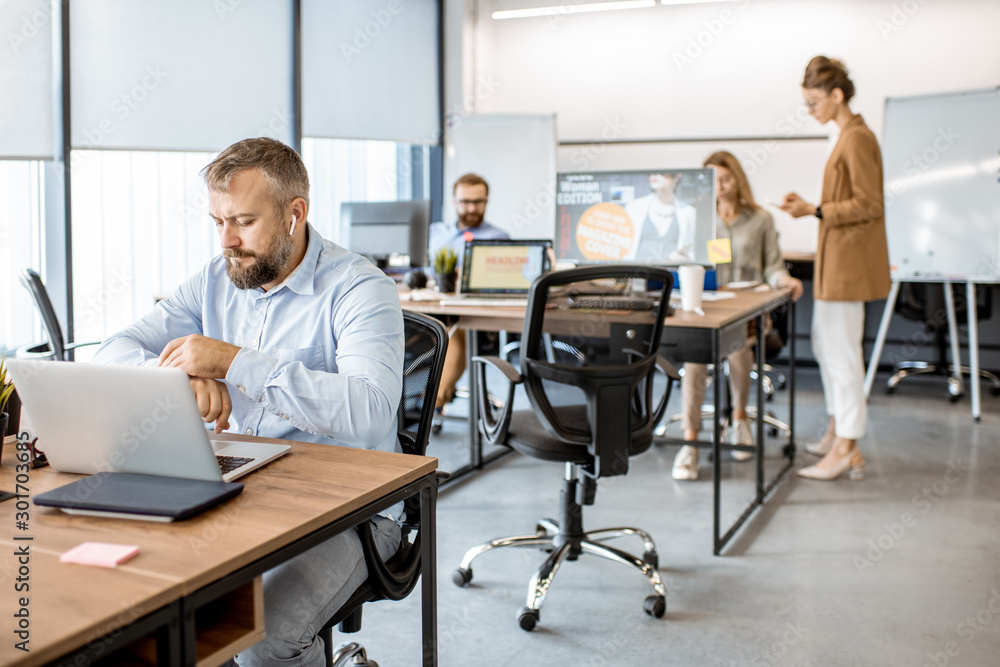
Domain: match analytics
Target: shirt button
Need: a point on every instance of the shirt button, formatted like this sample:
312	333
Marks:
242	388
249	431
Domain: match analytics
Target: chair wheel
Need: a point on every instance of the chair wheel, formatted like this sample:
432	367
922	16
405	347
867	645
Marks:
994	391
461	577
655	605
772	431
954	399
527	619
652	559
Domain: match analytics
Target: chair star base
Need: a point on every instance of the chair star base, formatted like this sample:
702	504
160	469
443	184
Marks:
566	540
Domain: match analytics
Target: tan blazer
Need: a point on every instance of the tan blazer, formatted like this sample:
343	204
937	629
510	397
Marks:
852	257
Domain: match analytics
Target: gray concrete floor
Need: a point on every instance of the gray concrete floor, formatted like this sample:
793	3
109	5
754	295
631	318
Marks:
902	568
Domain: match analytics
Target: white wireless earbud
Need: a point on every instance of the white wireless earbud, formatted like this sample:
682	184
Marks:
292	230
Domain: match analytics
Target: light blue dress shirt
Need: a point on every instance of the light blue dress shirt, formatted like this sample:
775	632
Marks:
443	234
321	356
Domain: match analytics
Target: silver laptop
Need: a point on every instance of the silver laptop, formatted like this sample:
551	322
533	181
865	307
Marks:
500	272
93	418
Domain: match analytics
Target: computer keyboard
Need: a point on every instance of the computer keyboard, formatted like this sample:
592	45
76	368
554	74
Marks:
613	302
473	301
231	463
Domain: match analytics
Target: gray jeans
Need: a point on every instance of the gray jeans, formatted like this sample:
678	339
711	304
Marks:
300	595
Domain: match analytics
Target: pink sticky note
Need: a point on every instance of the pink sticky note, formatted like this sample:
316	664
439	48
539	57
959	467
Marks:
100	554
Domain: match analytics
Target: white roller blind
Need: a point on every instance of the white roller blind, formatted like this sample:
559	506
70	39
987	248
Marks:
26	79
180	74
370	70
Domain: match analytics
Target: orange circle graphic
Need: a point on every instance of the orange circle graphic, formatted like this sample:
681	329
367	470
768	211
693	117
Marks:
605	232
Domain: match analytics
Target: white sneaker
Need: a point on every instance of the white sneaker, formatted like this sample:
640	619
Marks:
686	464
740	435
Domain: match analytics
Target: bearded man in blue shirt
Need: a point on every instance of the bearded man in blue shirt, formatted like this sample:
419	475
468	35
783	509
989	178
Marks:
283	335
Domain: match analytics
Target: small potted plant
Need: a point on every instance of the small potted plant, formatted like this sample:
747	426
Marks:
445	261
6	389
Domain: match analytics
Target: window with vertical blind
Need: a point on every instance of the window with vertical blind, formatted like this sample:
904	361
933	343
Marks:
158	88
185	75
370	70
21	246
26	100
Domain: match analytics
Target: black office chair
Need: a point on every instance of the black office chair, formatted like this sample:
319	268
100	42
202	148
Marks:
925	302
426	344
56	347
589	376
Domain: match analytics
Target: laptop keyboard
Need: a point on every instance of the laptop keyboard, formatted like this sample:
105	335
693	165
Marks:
231	463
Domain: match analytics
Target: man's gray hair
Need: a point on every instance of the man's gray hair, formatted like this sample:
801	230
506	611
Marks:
281	166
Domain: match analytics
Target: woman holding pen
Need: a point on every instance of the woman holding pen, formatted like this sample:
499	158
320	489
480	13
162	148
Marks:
852	265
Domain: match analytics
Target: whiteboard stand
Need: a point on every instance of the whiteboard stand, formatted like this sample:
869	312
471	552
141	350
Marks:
956	382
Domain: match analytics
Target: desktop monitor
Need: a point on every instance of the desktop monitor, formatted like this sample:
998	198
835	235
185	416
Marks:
662	216
390	233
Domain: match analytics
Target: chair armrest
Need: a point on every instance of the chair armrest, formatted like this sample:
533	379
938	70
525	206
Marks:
73	346
394	578
667	367
493	423
35	351
671	372
503	366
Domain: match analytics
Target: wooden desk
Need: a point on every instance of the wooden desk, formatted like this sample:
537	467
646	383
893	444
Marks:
186	570
686	337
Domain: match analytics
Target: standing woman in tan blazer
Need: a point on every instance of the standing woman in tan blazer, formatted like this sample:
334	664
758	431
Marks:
852	265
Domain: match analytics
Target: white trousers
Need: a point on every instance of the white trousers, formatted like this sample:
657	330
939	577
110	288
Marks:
837	332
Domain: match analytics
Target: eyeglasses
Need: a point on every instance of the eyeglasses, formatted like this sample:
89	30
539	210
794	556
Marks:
465	203
815	103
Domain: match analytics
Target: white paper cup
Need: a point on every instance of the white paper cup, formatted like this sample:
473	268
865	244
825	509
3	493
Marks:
692	279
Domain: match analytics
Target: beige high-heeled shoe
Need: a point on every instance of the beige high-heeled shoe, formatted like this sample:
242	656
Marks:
853	464
822	447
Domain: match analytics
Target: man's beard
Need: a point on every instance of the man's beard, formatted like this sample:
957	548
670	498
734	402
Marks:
266	266
473	219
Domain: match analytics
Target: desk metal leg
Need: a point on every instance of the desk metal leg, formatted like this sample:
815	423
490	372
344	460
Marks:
970	300
475	443
717	380
762	487
759	444
428	573
790	452
883	331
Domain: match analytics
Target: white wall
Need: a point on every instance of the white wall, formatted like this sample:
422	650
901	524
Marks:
642	75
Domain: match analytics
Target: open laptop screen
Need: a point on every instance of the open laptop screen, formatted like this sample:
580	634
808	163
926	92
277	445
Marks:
503	266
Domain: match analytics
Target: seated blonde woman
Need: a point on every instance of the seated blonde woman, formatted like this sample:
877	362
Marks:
756	257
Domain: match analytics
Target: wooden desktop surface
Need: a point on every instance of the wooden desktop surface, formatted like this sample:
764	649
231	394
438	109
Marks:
718	314
71	605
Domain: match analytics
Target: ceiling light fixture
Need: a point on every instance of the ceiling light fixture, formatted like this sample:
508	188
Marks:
568	8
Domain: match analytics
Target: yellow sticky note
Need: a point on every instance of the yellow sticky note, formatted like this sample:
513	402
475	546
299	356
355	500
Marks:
720	251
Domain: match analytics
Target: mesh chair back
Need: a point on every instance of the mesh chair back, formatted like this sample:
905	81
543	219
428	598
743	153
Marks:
426	342
588	357
33	283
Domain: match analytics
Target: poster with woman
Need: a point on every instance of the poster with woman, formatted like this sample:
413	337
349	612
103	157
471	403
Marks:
665	216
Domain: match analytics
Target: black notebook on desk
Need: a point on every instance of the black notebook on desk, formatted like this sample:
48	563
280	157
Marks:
133	496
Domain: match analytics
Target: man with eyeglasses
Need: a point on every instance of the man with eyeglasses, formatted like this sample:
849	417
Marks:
470	194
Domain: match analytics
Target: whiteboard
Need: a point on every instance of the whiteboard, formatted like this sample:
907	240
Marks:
942	186
516	154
